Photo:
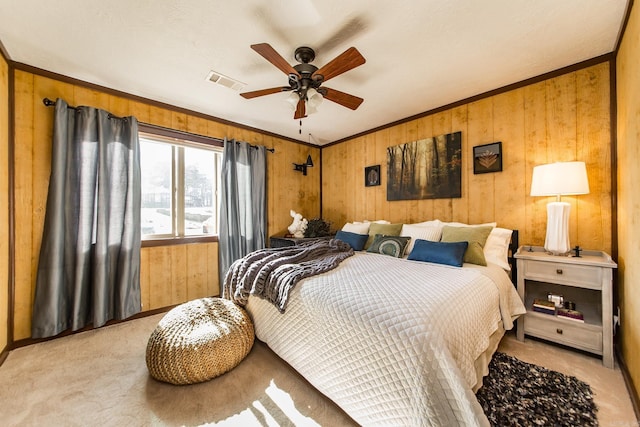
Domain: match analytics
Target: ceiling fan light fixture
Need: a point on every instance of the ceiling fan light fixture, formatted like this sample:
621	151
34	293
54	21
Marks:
310	110
293	99
305	79
314	99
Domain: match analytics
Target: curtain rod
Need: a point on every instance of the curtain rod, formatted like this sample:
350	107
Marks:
50	103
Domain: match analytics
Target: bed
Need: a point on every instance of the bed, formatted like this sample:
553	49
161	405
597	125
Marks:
394	341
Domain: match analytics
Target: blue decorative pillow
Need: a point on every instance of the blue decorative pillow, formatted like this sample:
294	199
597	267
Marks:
356	241
389	245
448	253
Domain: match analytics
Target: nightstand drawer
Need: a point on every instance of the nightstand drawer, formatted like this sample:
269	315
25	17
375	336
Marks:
584	276
579	335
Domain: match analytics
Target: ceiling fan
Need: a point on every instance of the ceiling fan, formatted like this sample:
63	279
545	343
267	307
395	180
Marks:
305	79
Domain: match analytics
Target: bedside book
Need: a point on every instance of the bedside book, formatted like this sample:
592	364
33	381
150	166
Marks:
538	302
544	306
570	314
544	310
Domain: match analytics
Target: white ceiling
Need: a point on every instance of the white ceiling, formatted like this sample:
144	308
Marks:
421	54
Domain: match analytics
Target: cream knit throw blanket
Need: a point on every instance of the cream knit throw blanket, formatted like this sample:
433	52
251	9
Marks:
272	273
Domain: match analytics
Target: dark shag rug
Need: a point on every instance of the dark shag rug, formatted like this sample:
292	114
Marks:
516	393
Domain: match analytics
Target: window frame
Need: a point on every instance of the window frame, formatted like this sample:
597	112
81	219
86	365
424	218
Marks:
182	139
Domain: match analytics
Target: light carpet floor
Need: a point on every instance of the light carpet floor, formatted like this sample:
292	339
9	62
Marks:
99	378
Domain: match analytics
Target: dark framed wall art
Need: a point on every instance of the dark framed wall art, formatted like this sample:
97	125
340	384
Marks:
429	168
487	158
372	176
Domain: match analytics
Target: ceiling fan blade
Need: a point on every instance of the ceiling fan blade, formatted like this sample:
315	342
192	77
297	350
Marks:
300	110
344	62
349	29
274	57
262	92
344	99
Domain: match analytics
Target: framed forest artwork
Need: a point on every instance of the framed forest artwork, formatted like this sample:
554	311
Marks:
425	169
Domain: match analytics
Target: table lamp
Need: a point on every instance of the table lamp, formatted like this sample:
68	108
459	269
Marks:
559	179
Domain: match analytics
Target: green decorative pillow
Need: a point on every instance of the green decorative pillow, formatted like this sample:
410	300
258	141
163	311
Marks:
389	245
475	236
384	229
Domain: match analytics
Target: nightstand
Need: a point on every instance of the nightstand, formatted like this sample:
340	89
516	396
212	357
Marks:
586	281
281	241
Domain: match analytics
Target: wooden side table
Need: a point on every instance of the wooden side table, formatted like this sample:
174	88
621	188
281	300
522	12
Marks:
281	241
586	281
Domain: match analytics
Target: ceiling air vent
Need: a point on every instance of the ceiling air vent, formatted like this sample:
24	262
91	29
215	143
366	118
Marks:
225	81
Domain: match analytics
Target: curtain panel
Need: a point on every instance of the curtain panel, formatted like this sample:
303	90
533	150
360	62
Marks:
89	265
243	218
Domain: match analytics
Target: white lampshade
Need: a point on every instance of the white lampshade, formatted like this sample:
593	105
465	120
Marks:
559	179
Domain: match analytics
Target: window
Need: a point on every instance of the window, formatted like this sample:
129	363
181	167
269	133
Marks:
180	187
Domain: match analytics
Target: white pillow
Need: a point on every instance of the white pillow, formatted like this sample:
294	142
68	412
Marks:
496	249
462	224
424	232
379	221
432	223
357	228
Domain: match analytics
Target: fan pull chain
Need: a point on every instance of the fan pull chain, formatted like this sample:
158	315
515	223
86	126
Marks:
300	130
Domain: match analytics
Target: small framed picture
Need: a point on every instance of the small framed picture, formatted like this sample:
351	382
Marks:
372	176
487	158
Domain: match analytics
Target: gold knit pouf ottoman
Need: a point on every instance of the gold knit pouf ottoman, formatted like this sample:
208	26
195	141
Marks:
199	340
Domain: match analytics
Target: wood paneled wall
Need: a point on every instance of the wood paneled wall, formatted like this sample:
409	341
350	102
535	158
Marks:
564	118
628	147
174	274
4	202
171	274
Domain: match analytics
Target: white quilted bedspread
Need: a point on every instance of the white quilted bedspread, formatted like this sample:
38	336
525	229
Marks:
391	341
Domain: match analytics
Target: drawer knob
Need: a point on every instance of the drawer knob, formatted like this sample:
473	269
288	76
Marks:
559	271
559	331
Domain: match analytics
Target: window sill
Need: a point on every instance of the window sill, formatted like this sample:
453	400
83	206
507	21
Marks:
170	241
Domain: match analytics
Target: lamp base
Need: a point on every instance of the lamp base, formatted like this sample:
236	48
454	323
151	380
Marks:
557	240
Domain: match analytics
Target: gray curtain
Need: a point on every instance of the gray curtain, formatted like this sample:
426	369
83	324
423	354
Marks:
243	217
89	266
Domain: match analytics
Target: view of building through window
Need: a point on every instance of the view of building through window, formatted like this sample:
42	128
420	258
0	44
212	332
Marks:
201	191
180	187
